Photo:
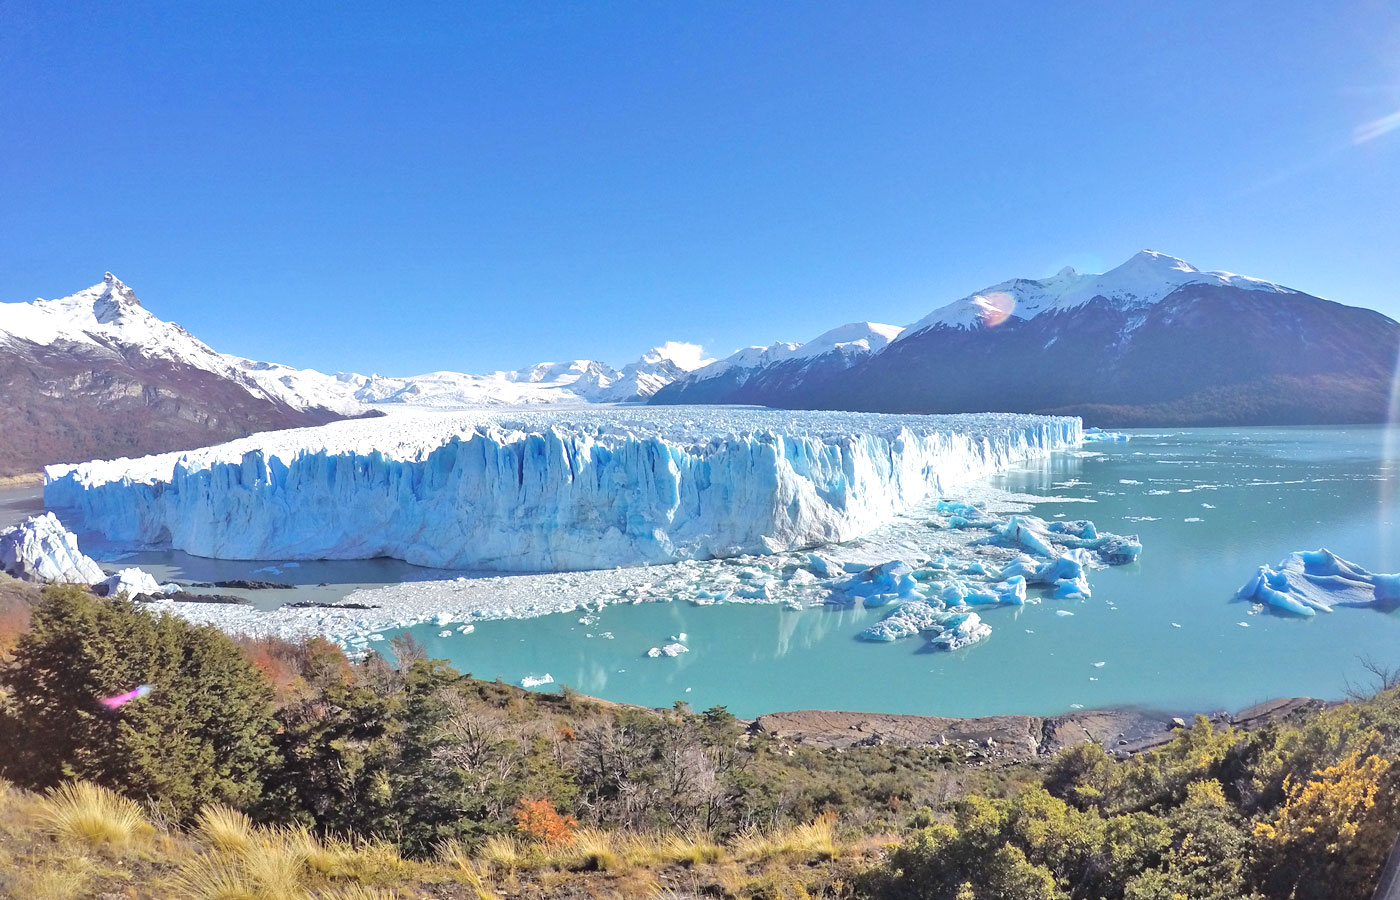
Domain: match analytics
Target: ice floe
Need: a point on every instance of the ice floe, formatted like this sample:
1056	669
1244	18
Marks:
1312	581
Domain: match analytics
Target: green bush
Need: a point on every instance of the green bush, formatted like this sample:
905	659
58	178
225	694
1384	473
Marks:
202	735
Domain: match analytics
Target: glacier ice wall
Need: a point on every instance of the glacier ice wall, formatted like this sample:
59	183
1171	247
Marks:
545	491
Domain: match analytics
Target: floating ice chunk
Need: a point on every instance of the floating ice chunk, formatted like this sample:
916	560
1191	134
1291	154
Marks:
672	650
680	638
1309	581
1041	538
1066	574
447	633
40	549
906	621
466	629
530	681
1099	665
959	629
1096	434
879	585
1063	612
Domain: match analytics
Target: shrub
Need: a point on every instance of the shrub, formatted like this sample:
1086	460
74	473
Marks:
201	736
540	821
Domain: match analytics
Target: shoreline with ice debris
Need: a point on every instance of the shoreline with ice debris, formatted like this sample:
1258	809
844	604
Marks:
531	491
789	579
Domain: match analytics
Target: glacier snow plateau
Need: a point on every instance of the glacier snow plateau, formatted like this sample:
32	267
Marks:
548	491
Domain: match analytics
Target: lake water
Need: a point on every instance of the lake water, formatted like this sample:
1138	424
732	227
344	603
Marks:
1210	506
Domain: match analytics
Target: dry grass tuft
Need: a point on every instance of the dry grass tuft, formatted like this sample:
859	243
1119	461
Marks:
361	860
691	851
208	878
225	829
813	840
87	813
357	892
593	850
50	884
505	852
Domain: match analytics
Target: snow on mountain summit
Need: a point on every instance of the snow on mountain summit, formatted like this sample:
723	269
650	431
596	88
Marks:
1146	278
108	319
855	337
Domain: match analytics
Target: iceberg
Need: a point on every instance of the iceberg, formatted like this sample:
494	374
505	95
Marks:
549	490
947	630
671	650
1311	581
132	582
1098	434
1065	573
958	630
530	681
40	549
1041	538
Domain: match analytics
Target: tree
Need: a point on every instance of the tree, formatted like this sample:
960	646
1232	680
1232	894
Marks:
201	735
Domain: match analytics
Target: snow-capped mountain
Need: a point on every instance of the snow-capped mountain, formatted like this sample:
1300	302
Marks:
1147	278
95	374
755	375
577	382
1154	341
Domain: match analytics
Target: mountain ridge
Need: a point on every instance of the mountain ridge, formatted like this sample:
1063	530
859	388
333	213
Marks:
1154	341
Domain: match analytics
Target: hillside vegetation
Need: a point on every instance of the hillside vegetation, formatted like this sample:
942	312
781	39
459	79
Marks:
262	770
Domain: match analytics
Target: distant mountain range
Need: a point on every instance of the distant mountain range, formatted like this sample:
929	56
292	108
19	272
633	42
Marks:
97	375
1155	341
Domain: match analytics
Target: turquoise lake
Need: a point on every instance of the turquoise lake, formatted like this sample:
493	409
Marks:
1210	505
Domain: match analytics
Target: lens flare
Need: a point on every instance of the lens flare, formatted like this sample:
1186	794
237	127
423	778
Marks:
1372	130
121	699
1390	469
994	308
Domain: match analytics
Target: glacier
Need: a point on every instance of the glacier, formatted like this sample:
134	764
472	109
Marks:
525	491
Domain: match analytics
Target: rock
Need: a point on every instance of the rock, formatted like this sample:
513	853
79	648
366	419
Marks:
1178	722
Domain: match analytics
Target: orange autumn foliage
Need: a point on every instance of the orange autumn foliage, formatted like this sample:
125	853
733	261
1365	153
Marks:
539	820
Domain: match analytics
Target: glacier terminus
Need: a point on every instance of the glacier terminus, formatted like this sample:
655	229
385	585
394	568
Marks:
548	490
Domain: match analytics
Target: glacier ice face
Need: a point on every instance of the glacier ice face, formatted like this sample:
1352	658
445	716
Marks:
1311	581
542	491
40	549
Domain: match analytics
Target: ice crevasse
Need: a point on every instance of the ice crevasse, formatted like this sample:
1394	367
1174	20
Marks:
537	491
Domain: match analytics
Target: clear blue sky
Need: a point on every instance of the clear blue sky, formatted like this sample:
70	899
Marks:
403	187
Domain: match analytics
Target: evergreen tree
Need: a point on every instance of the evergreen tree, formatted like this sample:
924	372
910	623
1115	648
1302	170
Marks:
202	734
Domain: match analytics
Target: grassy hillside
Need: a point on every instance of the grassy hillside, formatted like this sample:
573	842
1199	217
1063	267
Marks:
264	770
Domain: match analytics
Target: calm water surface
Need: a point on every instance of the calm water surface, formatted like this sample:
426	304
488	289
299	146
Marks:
1210	505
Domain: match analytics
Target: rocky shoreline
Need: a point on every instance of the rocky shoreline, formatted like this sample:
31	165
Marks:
1007	739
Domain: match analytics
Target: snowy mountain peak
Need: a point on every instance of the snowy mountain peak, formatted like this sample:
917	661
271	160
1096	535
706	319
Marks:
1146	278
686	357
853	337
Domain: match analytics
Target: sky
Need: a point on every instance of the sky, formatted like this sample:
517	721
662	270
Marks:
400	188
